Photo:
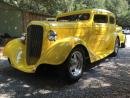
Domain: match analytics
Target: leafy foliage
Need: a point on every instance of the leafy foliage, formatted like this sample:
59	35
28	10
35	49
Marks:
53	7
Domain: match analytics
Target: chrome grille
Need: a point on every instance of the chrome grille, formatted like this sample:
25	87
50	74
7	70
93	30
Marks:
34	43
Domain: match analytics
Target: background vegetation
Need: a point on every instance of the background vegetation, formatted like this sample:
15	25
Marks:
121	8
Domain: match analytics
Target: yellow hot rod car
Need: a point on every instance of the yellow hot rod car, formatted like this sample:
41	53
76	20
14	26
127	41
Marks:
121	36
74	40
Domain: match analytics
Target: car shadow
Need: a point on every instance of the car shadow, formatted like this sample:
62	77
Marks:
50	77
103	77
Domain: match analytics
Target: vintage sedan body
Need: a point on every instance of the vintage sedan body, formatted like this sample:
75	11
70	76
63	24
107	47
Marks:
121	35
74	41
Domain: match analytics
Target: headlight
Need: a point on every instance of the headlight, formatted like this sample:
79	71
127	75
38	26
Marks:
52	35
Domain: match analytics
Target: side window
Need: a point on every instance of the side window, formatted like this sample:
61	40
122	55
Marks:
112	20
100	18
68	18
84	16
75	17
65	18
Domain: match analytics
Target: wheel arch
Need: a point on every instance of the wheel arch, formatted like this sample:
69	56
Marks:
86	53
84	48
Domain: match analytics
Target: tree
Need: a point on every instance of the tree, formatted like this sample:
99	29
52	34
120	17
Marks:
119	7
95	4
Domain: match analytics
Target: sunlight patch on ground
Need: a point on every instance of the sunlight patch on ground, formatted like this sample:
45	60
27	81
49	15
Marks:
4	85
128	41
109	69
5	96
44	91
27	95
41	91
110	65
26	86
94	83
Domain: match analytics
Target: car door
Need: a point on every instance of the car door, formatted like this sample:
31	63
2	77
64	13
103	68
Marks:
100	33
112	34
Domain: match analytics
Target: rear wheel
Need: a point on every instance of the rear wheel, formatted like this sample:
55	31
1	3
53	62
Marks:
116	47
122	45
74	65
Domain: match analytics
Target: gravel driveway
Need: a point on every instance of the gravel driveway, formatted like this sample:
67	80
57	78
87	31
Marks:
110	79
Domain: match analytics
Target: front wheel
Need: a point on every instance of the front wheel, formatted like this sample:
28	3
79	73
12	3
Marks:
74	65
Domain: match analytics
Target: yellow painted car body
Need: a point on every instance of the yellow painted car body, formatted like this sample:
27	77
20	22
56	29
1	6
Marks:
96	37
121	35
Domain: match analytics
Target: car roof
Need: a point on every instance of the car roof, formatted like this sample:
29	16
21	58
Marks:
96	11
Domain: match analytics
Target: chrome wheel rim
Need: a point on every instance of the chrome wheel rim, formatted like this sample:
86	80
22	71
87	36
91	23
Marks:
76	63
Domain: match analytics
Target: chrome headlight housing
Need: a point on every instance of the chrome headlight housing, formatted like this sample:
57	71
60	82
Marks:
52	36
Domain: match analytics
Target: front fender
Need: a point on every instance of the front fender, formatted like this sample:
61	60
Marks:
59	50
11	47
15	50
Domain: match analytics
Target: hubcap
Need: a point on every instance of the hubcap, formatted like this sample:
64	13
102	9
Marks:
76	63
